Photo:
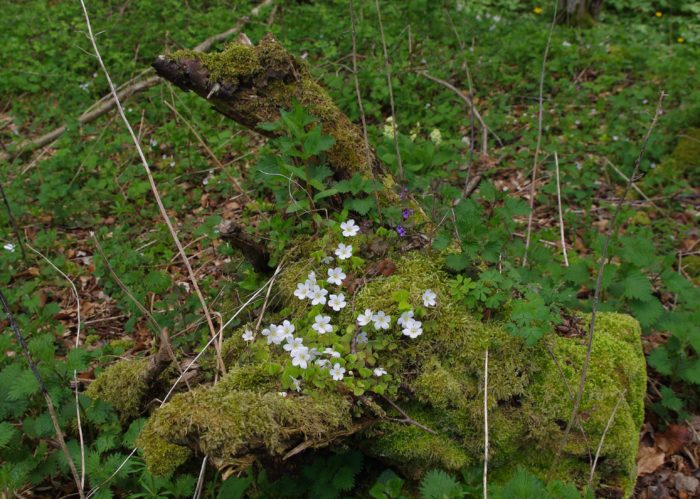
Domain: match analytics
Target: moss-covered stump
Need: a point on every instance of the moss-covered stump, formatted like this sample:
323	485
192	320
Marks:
266	408
684	161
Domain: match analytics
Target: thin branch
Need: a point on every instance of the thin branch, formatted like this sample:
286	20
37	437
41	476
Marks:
486	422
134	86
209	152
561	215
162	334
75	372
406	418
540	113
154	187
357	83
599	282
485	130
387	66
602	437
13	222
634	186
200	479
45	393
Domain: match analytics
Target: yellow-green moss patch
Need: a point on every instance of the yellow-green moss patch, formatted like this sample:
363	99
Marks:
123	385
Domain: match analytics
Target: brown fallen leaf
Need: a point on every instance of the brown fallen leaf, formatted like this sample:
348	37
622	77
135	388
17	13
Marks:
649	459
673	439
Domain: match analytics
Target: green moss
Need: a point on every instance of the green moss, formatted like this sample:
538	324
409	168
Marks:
442	370
414	449
123	385
685	158
691	265
227	424
163	457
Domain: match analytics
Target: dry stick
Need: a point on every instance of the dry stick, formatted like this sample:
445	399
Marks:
634	186
485	130
406	418
387	67
200	480
44	392
602	437
187	368
540	112
154	188
75	371
208	150
599	283
162	335
486	422
131	87
357	82
571	397
561	215
13	222
368	149
484	146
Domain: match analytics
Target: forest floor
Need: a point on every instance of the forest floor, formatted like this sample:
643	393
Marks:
82	204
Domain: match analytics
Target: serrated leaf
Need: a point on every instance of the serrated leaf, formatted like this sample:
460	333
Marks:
637	286
437	484
457	262
22	386
7	431
659	360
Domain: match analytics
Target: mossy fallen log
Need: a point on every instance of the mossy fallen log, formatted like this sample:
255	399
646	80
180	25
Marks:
412	397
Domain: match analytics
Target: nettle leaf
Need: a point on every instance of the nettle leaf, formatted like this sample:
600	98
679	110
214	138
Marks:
457	262
637	286
691	371
660	360
647	312
24	385
7	431
361	206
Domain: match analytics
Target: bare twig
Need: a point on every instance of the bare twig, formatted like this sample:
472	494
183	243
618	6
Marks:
45	393
357	83
13	222
599	282
485	130
209	152
154	187
634	186
134	86
540	113
200	479
486	422
387	66
561	215
406	418
602	437
75	372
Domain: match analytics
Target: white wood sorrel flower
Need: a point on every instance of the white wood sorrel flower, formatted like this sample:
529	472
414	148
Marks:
318	295
337	372
350	229
404	317
322	324
429	298
336	276
248	335
365	318
343	251
381	320
412	328
337	302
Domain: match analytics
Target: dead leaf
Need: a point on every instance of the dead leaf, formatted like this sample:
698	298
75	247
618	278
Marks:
649	459
673	439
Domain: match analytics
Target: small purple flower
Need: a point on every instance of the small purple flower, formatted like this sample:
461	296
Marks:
400	231
404	193
406	213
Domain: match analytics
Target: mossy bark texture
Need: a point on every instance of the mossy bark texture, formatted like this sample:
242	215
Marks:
438	376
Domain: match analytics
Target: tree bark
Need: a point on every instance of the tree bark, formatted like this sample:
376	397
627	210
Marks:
579	12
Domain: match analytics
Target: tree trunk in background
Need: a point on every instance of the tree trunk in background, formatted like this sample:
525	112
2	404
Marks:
579	12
